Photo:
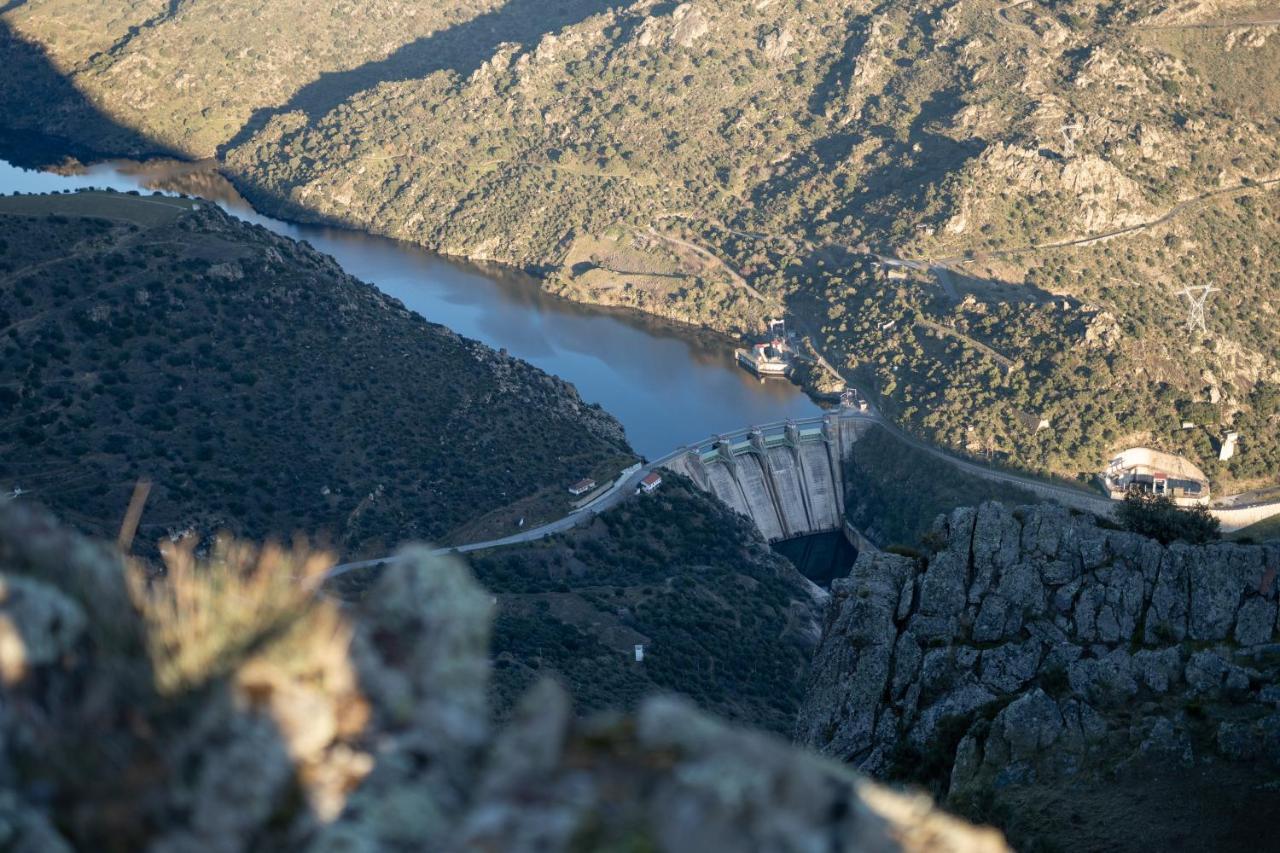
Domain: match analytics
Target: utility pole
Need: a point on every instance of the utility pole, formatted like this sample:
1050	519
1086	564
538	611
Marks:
1069	145
1196	299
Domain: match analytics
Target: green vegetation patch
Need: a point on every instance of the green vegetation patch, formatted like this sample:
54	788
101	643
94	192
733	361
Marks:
722	618
258	388
895	491
147	211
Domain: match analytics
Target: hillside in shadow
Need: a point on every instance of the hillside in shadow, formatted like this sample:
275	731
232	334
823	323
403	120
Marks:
44	118
461	49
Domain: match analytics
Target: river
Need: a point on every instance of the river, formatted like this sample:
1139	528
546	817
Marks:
667	384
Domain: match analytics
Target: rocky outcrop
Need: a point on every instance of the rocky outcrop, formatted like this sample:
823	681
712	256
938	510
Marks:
368	729
1032	643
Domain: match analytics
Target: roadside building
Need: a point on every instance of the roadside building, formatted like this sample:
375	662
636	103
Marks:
651	483
1158	473
582	487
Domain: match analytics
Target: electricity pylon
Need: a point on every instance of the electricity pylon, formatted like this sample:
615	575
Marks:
1069	145
1196	299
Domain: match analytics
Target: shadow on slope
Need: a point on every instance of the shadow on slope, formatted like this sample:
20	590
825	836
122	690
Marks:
461	49
44	118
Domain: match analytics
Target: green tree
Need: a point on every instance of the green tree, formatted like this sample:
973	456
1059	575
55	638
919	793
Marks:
1160	518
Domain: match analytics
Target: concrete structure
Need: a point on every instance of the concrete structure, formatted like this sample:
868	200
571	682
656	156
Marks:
765	360
776	457
1156	472
639	653
787	477
1228	448
651	483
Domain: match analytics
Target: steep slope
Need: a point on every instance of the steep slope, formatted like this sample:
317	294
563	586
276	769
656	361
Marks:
257	385
624	152
1034	656
365	728
1056	174
191	75
723	619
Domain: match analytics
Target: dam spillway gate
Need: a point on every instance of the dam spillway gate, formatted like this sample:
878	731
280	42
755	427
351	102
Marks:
787	477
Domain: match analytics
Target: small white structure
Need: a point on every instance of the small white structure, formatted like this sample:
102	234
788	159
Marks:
1228	448
582	487
851	399
639	652
650	484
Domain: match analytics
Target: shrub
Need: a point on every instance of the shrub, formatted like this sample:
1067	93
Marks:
205	617
1160	518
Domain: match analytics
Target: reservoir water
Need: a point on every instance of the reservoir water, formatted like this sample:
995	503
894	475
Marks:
668	385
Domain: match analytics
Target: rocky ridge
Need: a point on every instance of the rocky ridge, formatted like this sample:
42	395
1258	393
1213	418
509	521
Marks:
368	729
1037	645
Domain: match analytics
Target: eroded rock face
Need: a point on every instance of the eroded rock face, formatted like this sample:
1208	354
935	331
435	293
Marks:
369	730
1032	640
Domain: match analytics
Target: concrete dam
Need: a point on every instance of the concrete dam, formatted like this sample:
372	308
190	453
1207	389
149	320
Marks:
787	477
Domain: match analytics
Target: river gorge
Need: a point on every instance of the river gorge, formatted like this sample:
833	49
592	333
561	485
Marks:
668	385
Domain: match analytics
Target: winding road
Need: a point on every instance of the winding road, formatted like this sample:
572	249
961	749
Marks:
626	486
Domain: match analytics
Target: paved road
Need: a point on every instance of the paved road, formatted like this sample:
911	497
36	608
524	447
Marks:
626	487
1177	209
623	488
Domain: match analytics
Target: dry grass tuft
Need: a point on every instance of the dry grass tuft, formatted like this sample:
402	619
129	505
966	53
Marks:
206	616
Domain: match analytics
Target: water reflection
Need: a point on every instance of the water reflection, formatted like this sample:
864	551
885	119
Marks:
668	385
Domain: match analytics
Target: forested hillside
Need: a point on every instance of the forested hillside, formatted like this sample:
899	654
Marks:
723	619
258	387
719	162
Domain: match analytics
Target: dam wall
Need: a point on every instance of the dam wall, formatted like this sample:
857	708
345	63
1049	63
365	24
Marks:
787	477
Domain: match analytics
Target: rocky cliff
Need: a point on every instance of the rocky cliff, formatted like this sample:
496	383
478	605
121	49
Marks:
167	715
1033	647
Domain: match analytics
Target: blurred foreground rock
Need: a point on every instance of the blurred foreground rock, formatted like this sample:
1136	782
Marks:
369	730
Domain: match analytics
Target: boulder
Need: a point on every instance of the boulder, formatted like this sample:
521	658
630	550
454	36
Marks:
1167	612
38	625
959	703
996	538
1206	673
942	588
1255	621
1239	740
859	640
1028	726
1106	681
1009	667
1217	586
1164	739
1157	670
